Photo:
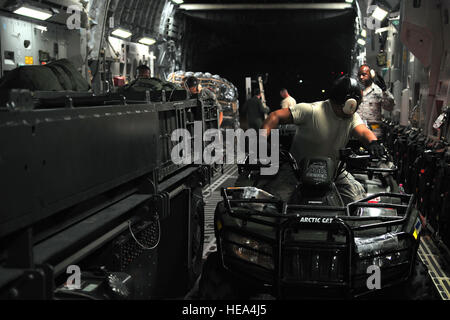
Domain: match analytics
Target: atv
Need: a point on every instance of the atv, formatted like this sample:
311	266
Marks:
313	246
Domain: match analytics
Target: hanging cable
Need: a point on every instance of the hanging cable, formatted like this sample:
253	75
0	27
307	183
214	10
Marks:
139	243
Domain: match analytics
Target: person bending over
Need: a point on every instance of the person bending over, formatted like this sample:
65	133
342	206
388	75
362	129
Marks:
287	101
324	127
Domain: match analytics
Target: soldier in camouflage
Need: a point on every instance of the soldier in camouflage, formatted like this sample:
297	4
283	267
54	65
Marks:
194	87
375	97
144	82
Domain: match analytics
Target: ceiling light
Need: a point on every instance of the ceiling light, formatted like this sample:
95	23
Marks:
363	33
146	40
379	14
121	33
32	12
361	42
42	28
381	30
349	1
178	1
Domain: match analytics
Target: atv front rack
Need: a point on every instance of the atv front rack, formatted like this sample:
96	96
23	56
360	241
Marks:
315	247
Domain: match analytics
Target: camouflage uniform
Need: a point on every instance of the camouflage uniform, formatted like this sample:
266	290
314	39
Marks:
148	84
374	99
208	94
283	185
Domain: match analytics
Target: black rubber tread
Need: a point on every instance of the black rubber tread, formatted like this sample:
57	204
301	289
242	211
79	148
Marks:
215	284
420	286
198	235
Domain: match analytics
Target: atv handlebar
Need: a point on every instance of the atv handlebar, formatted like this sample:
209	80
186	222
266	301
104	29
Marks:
364	160
349	159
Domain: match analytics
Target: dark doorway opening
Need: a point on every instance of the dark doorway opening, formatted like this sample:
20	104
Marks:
303	51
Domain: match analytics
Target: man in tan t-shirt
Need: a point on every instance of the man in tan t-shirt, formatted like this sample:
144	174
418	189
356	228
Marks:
287	101
324	128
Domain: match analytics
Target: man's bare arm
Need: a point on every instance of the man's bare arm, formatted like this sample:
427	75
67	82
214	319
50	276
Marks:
282	116
364	135
388	101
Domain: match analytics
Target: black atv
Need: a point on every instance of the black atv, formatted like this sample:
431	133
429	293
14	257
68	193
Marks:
315	247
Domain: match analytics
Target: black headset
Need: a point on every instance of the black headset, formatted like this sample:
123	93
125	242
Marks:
347	91
352	100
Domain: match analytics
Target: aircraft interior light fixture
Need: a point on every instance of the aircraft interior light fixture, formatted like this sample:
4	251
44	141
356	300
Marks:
33	12
147	40
361	56
379	14
121	33
361	42
363	33
41	28
178	1
381	30
349	1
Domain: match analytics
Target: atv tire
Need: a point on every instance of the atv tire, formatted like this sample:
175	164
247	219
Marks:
420	285
197	236
215	284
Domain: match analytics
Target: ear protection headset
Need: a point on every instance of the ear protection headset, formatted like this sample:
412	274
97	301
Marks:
372	72
347	92
351	100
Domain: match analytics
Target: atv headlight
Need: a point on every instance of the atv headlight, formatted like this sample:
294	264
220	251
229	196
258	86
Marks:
250	250
382	251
